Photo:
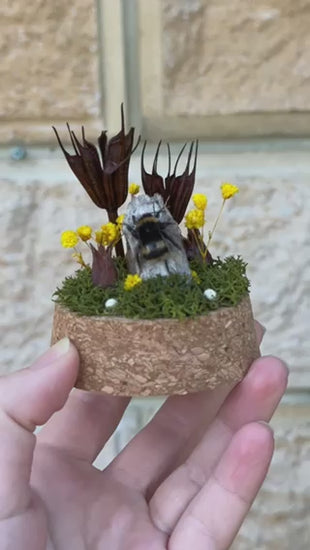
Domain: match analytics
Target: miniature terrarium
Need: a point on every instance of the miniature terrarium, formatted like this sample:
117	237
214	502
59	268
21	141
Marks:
151	309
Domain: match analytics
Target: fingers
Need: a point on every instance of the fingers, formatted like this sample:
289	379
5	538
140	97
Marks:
157	446
255	398
28	398
85	424
171	434
215	515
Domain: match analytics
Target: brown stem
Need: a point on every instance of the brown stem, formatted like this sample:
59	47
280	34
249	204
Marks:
119	248
198	240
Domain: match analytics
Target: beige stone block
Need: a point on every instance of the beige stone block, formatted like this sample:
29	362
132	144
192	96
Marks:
214	69
49	66
224	57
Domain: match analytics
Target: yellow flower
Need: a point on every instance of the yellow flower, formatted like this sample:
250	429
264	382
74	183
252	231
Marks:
131	281
194	219
200	201
69	239
195	276
134	188
84	232
228	190
99	236
110	234
120	220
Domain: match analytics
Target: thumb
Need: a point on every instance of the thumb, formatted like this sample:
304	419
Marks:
29	398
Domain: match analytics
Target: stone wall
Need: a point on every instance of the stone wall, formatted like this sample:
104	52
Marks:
219	68
235	57
49	67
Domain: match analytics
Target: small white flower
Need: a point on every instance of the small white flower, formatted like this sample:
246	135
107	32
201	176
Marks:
210	294
111	302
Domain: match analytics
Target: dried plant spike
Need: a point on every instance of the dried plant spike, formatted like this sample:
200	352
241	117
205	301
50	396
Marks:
106	183
72	138
154	171
169	159
178	159
181	187
152	183
175	190
186	171
122	117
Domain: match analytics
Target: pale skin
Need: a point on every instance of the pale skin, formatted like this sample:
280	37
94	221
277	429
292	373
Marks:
186	480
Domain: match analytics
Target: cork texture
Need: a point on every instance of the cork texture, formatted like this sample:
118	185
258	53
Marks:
161	357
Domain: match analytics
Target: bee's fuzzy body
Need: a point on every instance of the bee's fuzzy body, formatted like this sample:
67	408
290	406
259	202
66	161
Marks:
154	240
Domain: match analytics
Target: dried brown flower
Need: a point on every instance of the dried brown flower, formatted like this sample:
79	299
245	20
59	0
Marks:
175	190
105	180
104	272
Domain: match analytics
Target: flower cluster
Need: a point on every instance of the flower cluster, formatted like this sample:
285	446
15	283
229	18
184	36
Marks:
106	238
200	201
109	234
131	281
84	232
69	239
228	190
194	219
134	189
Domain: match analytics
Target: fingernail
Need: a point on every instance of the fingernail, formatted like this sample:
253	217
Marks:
263	328
53	353
61	347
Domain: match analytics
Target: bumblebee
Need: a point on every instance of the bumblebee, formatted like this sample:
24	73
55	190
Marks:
154	241
149	231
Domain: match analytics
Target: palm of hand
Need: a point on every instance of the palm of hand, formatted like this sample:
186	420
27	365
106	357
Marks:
202	458
90	509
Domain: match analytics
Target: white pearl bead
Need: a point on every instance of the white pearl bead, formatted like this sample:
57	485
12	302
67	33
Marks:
210	294
111	302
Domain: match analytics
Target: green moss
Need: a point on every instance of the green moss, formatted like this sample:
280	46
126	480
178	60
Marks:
161	297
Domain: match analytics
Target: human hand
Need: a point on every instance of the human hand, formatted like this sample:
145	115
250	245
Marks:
187	479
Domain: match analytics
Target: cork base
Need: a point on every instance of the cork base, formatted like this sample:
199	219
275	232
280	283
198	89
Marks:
161	357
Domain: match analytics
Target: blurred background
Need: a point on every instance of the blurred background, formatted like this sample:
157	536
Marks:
235	74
